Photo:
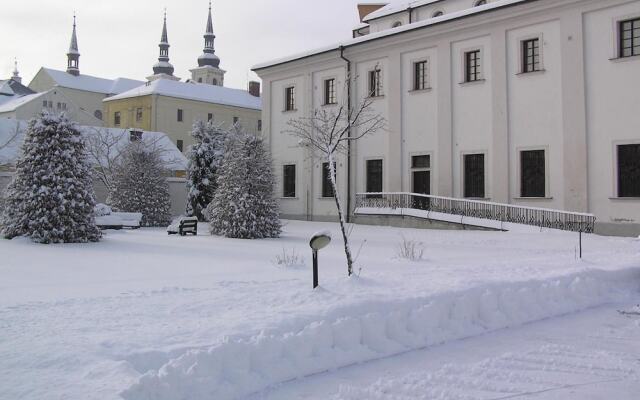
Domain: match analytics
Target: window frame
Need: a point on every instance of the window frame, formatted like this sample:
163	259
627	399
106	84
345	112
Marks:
547	173
210	117
180	115
478	70
290	98
329	93
374	83
180	145
139	114
535	66
426	78
367	182
117	118
635	40
327	192
259	125
284	181
485	174
616	169
413	168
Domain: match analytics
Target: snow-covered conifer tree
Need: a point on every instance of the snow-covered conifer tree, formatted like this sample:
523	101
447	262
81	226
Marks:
140	185
243	205
51	197
205	157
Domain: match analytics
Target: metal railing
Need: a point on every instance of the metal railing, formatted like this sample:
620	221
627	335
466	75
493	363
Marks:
540	217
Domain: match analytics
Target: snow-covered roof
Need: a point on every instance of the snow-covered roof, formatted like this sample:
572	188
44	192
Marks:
389	32
15	102
92	83
174	159
397	6
194	91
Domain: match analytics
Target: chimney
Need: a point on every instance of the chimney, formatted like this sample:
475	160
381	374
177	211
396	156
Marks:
254	88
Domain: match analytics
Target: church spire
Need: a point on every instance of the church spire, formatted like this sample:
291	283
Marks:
16	75
73	56
208	56
163	66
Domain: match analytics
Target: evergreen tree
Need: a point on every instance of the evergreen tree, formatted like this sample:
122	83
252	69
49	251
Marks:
205	157
51	197
140	185
243	205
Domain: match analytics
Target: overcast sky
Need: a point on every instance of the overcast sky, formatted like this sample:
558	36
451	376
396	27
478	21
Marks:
119	38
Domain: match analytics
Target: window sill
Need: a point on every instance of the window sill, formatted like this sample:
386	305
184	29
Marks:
624	198
532	73
295	110
380	97
329	105
532	198
289	198
326	198
418	91
625	59
478	198
471	83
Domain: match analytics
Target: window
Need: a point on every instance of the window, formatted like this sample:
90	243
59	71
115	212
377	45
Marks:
59	106
180	145
474	176
421	180
437	14
138	114
180	115
472	66
531	55
630	38
420	77
327	187
289	180
235	120
532	173
290	99
420	162
629	170
116	118
98	114
210	117
199	80
396	24
50	104
374	176
375	83
259	125
480	3
44	104
330	92
135	136
64	106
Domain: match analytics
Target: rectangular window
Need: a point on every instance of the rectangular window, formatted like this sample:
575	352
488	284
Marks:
474	176
327	187
330	92
235	120
375	83
472	66
259	125
135	136
290	99
531	55
59	106
116	118
180	115
532	174
64	106
210	117
289	180
138	114
421	162
629	170
180	145
44	104
50	104
374	176
420	76
629	38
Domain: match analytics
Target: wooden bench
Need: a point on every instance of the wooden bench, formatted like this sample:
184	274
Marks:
184	226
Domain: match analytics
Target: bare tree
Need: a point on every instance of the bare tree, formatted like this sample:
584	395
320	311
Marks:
328	133
12	137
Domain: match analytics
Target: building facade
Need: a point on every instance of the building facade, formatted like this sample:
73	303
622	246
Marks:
526	102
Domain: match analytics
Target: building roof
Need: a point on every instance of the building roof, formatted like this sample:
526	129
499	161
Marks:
173	158
90	83
390	32
194	91
12	87
15	102
396	7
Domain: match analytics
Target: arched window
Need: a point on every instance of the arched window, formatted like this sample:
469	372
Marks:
396	24
98	114
215	81
480	3
438	14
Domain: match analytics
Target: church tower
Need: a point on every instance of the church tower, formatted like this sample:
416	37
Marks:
73	56
163	68
208	70
16	75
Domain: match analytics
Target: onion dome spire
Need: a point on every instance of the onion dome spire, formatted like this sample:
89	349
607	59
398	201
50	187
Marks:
73	56
163	66
208	56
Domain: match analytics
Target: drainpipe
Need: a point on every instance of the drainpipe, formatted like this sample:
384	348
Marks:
348	132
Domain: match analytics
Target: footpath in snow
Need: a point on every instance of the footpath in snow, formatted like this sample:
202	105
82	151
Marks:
146	316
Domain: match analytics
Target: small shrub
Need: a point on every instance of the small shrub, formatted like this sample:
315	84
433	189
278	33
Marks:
289	258
410	249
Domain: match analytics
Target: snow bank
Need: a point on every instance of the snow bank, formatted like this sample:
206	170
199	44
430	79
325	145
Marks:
236	368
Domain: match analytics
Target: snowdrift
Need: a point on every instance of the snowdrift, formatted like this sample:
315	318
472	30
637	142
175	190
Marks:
371	330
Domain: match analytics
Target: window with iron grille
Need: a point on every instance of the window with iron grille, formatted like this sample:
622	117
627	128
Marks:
532	173
327	187
330	96
629	170
531	55
474	176
375	83
289	180
472	66
420	75
116	118
290	99
138	114
374	176
630	38
180	115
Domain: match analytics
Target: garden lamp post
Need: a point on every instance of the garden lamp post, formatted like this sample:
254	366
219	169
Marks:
319	241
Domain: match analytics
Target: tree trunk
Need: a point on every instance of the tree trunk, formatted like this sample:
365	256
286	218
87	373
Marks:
336	196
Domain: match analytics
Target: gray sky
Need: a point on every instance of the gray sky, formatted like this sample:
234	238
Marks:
120	37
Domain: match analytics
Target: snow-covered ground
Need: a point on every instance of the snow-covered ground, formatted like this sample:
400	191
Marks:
145	315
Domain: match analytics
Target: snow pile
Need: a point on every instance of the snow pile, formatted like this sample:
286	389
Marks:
372	330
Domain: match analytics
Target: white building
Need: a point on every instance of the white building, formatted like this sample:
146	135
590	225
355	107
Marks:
526	102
